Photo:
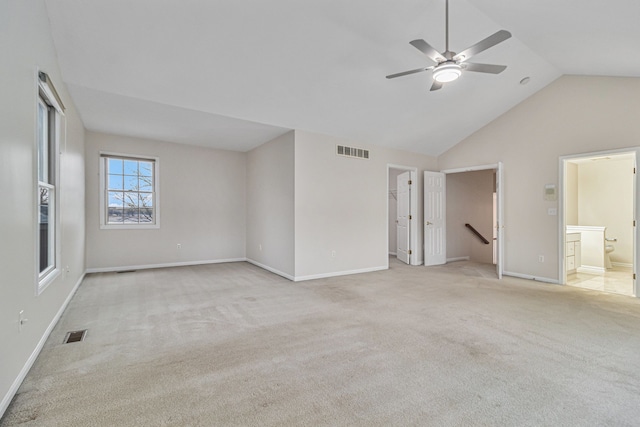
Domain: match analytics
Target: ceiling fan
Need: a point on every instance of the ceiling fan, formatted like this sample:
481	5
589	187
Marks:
449	65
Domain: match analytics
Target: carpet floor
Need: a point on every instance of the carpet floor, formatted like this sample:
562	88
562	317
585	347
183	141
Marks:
234	345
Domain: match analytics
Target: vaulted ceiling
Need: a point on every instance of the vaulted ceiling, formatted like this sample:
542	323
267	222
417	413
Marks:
233	74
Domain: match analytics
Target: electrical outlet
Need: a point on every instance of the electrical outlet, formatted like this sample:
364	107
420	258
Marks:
179	246
260	247
540	258
333	254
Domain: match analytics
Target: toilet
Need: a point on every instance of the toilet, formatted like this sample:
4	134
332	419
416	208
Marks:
607	250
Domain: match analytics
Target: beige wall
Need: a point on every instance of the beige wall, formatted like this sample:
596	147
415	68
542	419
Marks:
571	194
570	116
605	198
470	201
270	205
26	45
341	205
201	200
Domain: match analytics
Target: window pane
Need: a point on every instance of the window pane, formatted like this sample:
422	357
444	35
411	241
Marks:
115	182
131	167
116	199
146	200
130	183
145	183
46	229
116	216
146	169
43	143
131	215
130	200
146	215
115	166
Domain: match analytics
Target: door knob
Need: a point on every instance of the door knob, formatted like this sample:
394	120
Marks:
429	223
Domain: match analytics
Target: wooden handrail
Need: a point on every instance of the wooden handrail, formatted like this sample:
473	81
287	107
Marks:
474	231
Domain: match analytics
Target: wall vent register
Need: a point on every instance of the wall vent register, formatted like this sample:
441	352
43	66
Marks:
358	153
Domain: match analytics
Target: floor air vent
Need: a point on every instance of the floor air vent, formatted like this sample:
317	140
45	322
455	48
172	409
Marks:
125	271
357	153
75	336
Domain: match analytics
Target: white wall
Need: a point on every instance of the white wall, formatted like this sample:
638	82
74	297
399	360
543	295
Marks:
341	205
393	209
270	205
572	115
202	204
26	44
470	201
605	198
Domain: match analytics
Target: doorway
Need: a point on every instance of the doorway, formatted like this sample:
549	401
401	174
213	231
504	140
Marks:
402	214
598	237
463	216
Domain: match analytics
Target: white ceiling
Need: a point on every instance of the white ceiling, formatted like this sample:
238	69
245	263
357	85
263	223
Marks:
233	74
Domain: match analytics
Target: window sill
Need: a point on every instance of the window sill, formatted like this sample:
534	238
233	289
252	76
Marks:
45	281
129	226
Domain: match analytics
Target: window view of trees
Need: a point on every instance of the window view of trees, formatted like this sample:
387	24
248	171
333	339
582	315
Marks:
130	191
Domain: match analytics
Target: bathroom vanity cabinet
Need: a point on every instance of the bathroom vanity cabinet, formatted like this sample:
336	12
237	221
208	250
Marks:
573	252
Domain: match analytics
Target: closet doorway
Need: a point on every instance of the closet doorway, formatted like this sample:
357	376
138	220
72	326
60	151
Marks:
402	214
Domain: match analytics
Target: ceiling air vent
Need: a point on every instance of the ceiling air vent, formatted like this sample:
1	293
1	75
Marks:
358	153
75	336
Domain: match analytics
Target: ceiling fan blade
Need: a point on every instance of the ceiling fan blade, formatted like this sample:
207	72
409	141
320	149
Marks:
484	68
483	45
428	50
406	73
436	85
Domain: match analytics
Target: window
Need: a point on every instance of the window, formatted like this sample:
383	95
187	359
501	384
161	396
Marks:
49	112
129	195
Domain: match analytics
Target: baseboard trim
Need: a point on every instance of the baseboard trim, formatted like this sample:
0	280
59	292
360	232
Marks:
622	264
460	258
36	351
530	277
591	270
271	269
164	265
339	273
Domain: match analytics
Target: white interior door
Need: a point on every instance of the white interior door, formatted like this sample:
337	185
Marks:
403	222
499	231
435	243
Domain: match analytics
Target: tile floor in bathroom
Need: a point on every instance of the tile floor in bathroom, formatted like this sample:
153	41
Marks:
617	280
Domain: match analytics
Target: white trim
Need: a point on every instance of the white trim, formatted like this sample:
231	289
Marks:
529	277
163	265
590	269
273	270
472	168
460	258
6	400
339	273
622	264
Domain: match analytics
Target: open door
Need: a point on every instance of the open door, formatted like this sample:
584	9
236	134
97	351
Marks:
403	217
499	212
435	251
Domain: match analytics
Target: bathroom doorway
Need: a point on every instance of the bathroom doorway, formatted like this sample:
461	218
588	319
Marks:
598	232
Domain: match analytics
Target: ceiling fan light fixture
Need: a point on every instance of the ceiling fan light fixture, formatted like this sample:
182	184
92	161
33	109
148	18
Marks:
447	72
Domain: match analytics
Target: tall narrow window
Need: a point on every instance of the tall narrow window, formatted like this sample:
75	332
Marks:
129	192
49	111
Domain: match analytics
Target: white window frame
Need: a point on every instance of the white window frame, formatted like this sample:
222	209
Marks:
104	193
46	94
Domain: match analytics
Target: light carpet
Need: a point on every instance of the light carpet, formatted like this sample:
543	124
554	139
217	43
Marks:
234	345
